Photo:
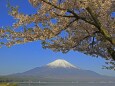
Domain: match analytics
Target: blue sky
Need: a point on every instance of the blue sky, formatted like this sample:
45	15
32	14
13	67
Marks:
20	58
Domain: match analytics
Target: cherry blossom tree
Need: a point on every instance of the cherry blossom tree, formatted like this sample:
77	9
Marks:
86	26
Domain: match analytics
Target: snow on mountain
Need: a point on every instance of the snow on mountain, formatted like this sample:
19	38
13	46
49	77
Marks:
61	63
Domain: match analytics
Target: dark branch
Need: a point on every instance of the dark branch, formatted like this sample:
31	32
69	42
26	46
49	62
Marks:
82	18
64	15
53	5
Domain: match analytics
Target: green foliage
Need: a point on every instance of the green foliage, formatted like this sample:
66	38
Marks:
8	84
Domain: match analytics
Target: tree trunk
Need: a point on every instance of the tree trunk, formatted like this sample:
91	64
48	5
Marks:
111	52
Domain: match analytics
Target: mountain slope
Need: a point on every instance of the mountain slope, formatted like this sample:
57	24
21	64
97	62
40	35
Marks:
59	70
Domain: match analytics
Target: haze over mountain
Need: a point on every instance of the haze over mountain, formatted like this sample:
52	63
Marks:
58	70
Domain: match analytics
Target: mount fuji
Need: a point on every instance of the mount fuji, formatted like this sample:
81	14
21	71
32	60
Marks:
60	64
58	71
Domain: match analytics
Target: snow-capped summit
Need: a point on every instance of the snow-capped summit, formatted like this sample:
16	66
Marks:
60	63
